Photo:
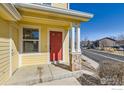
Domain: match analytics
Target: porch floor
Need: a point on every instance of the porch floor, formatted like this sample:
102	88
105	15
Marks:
38	74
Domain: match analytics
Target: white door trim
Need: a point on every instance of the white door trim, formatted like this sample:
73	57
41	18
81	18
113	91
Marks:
63	42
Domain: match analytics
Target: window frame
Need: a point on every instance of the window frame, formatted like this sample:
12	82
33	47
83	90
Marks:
22	40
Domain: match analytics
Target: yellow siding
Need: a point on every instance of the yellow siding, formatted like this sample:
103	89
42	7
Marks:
67	47
5	35
4	51
44	39
15	47
4	29
60	5
4	60
35	59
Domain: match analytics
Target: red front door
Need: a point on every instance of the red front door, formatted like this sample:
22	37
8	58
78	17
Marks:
55	46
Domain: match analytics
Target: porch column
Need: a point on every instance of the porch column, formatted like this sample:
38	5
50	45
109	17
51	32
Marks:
78	39
73	39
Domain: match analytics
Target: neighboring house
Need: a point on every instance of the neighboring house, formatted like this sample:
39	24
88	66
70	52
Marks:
32	34
120	42
105	42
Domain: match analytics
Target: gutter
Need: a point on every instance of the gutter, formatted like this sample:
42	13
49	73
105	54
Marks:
12	10
55	10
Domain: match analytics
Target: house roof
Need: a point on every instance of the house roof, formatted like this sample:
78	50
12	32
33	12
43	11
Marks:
75	15
55	10
107	38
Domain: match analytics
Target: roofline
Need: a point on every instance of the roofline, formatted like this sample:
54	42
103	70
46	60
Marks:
55	10
107	38
10	7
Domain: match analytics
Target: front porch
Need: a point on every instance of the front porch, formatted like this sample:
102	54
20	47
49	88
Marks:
41	74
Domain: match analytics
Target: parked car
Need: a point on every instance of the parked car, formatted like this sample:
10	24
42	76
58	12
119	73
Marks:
121	48
115	47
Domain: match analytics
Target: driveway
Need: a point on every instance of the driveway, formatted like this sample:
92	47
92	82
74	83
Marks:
99	56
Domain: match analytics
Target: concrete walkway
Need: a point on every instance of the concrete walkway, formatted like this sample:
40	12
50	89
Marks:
65	81
32	75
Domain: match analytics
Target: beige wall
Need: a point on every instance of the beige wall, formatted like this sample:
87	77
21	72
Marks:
106	43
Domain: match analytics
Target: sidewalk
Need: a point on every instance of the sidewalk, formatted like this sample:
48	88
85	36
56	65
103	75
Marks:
119	53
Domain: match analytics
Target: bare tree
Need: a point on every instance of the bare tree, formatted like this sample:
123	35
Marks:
88	44
85	41
121	37
113	37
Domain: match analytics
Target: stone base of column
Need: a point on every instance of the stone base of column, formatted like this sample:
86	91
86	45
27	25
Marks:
75	61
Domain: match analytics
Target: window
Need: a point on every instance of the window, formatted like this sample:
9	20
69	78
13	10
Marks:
30	40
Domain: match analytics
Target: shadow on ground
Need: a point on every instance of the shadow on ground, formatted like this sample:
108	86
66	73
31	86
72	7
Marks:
63	66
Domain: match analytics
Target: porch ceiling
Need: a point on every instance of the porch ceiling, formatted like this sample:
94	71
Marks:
42	20
31	12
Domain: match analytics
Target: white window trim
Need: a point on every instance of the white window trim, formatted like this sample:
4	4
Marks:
68	6
21	39
63	43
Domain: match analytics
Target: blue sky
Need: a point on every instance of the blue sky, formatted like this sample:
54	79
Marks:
108	20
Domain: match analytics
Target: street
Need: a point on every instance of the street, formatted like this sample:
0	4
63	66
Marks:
99	56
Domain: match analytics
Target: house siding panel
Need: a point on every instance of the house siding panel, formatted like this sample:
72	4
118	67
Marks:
15	46
7	31
4	60
4	51
35	59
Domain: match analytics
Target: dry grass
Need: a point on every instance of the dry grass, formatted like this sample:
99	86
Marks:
109	73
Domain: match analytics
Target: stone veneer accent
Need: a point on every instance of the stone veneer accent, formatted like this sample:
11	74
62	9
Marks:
75	61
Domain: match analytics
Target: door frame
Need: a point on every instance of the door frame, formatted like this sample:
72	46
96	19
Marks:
63	43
